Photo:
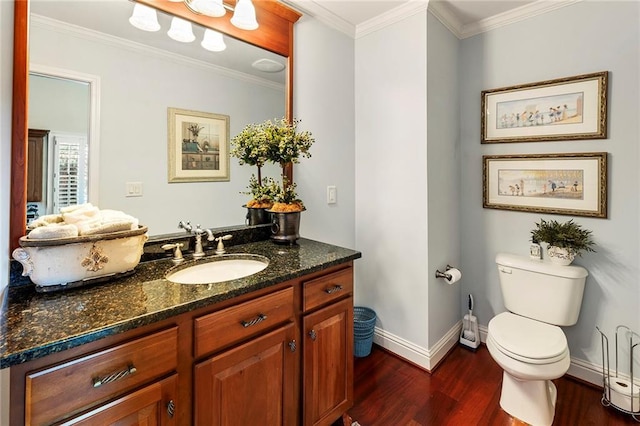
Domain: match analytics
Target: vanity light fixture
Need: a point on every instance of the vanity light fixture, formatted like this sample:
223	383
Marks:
213	41
181	30
144	18
213	8
244	14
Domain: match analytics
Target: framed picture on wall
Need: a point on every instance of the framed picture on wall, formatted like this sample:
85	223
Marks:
568	108
569	184
198	146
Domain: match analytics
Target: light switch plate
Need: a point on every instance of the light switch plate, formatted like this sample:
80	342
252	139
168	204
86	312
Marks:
133	189
332	195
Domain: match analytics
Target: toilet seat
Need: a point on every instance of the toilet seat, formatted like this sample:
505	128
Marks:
527	340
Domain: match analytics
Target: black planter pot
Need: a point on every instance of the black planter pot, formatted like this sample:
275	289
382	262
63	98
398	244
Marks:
285	227
257	216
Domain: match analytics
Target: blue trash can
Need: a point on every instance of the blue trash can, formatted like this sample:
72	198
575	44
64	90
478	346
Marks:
364	322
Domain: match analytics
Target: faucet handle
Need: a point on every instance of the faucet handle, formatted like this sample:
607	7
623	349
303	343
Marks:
177	252
220	249
185	225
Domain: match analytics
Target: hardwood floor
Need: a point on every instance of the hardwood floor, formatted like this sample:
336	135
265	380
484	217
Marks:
463	390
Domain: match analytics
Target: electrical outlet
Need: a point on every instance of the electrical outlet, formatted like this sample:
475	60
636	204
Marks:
332	195
133	189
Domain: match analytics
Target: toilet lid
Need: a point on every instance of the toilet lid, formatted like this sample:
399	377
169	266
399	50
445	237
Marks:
528	340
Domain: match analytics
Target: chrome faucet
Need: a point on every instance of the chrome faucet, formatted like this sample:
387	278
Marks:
185	225
199	252
199	232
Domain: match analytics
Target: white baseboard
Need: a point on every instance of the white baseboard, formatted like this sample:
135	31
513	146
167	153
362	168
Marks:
422	357
430	358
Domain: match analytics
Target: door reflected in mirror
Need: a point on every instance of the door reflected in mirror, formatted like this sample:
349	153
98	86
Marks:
59	120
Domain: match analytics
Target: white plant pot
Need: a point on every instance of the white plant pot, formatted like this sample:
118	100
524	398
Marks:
560	256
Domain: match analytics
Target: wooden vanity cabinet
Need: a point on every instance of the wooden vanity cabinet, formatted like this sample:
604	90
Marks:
277	356
328	347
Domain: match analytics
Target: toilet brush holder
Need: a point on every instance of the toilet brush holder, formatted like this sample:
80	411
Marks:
470	336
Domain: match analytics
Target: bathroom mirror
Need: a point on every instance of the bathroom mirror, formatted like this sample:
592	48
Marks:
133	131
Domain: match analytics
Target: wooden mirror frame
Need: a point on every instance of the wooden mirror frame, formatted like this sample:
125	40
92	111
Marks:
274	34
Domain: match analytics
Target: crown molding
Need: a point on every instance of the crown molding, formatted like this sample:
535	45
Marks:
516	15
391	17
462	31
446	17
60	27
330	19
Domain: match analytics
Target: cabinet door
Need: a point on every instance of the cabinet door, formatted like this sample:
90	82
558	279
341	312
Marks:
252	384
35	166
152	405
328	363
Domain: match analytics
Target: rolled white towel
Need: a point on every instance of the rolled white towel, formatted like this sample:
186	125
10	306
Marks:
86	225
81	215
106	228
76	207
46	220
117	216
53	231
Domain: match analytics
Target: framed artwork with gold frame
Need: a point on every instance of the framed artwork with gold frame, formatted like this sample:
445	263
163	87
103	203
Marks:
198	146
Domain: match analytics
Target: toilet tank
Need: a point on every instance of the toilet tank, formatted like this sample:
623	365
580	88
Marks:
541	290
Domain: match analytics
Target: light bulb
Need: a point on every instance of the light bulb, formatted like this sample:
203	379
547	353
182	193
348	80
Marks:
244	16
181	30
144	18
212	8
213	41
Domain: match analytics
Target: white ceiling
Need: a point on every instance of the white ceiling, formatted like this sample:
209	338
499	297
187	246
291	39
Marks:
357	12
464	18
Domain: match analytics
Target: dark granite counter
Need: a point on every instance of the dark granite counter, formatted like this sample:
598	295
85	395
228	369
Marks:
33	324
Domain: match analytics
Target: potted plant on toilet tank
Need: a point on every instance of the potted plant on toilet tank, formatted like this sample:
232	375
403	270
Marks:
565	240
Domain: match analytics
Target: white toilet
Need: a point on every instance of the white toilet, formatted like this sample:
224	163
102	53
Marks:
526	341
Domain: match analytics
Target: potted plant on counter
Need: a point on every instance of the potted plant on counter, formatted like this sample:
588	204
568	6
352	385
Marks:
565	240
262	196
279	142
286	145
250	147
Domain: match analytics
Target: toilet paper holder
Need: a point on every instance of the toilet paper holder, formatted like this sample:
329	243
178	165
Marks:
444	274
621	390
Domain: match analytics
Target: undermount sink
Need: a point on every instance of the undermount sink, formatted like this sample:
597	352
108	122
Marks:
219	269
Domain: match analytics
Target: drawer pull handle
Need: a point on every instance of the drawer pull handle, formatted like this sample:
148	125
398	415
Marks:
333	289
313	335
256	320
171	408
99	381
292	345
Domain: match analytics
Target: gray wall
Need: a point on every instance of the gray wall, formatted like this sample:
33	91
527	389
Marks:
324	101
443	177
58	105
391	181
582	38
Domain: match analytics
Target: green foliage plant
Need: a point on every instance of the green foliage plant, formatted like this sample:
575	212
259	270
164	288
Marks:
277	141
250	147
568	235
262	193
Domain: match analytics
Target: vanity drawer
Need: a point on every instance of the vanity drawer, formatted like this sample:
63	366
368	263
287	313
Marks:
78	384
327	288
231	325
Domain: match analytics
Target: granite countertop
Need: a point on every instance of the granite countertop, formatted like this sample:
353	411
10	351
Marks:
33	325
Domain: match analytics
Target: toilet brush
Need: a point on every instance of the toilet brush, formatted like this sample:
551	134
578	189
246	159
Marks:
469	336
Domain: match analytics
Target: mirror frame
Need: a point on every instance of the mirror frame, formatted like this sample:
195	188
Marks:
274	34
